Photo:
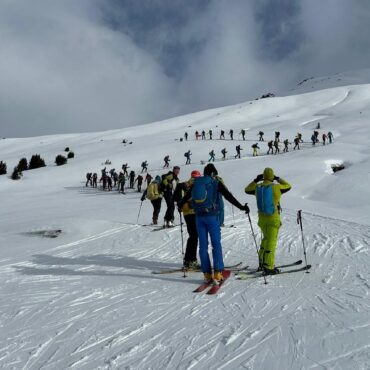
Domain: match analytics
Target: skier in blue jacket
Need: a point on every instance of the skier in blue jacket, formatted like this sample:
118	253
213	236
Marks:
207	220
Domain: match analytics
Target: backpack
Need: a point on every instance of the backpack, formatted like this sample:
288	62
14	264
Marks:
265	203
153	191
204	195
186	154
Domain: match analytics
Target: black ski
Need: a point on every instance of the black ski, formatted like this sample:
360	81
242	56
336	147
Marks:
296	263
236	267
244	276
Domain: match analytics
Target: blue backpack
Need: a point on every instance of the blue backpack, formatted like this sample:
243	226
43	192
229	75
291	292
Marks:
204	195
265	202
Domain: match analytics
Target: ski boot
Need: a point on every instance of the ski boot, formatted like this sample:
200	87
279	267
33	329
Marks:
273	271
218	277
208	277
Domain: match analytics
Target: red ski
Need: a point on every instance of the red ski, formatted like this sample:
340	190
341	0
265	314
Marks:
203	287
215	288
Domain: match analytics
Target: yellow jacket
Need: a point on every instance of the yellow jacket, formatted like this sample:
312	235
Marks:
277	190
180	191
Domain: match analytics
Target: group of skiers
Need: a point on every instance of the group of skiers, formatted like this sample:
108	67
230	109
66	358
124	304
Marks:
200	201
325	137
203	135
110	180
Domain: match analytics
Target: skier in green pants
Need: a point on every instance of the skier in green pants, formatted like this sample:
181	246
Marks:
268	189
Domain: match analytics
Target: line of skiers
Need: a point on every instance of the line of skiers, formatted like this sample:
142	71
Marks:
203	135
110	180
200	200
325	137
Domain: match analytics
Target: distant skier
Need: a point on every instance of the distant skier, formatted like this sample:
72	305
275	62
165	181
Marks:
261	133
132	179
316	133
222	135
115	179
88	179
109	183
103	181
168	186
330	136
255	148
188	155
268	195
242	132
196	135
205	194
104	171
148	179
153	193
299	136
270	146
313	139
238	149
111	172
223	152
318	126
95	180
277	136
203	135
276	146
231	134
324	137
121	183
286	148
144	166
166	161
211	156
190	258
125	167
296	143
210	133
139	181
186	136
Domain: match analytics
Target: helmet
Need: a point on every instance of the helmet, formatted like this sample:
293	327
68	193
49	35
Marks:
195	174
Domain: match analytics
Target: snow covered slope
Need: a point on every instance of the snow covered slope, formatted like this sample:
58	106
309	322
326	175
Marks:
87	299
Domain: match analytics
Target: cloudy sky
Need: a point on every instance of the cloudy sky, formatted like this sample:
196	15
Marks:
87	65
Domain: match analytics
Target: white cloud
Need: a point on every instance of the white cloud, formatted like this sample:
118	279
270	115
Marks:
65	68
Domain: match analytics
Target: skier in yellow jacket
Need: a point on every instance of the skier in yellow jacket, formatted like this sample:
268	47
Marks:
268	189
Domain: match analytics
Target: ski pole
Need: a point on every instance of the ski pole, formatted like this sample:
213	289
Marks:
232	207
141	204
182	244
299	222
255	241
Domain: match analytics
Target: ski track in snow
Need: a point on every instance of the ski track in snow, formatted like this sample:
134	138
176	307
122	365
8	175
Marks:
60	321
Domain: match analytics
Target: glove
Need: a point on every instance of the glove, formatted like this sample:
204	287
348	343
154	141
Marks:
245	208
276	178
179	208
143	198
258	178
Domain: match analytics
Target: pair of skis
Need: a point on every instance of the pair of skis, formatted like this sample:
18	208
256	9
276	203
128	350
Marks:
213	288
245	275
236	267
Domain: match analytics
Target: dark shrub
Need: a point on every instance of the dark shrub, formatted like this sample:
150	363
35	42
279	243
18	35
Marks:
66	149
36	162
71	155
22	165
16	175
2	168
60	160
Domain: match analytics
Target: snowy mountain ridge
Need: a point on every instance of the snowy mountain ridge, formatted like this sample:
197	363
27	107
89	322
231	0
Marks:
87	298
